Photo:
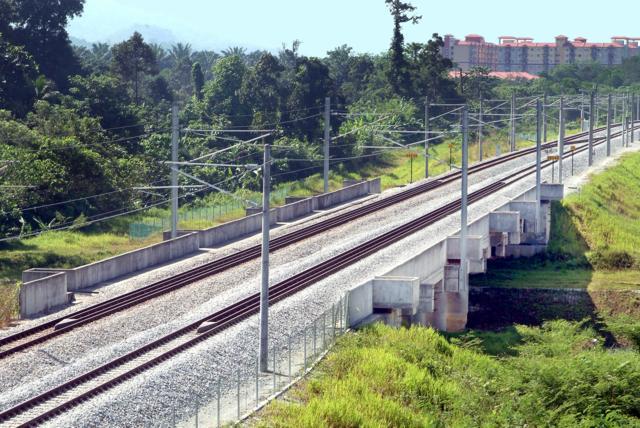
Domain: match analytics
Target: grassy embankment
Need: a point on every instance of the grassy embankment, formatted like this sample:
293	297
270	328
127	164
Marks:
595	244
559	374
73	248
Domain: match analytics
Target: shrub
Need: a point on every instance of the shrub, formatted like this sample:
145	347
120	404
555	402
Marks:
611	260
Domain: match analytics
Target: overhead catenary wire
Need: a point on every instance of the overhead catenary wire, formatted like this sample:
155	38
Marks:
108	215
99	144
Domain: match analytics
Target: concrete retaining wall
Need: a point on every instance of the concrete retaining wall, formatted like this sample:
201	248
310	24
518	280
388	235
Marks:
348	193
295	209
233	230
41	295
360	303
425	264
494	307
133	261
104	270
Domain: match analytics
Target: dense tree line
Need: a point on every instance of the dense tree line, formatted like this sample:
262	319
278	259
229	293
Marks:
78	122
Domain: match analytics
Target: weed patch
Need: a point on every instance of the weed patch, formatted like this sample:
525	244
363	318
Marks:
556	375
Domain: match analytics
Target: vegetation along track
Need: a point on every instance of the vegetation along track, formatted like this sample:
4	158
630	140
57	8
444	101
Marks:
70	394
50	329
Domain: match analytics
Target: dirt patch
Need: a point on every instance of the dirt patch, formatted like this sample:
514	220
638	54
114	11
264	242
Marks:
617	302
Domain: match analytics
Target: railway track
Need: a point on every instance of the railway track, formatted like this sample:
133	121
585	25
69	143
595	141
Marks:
36	335
70	394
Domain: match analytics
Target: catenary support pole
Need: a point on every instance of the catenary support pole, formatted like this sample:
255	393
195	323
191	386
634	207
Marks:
544	117
623	120
427	134
480	129
264	290
633	117
596	115
513	122
561	133
581	111
538	163
327	140
175	139
462	284
609	122
591	124
637	107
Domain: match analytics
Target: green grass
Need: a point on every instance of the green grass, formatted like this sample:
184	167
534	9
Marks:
558	375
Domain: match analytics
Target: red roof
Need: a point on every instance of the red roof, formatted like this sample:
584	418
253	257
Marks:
513	75
504	75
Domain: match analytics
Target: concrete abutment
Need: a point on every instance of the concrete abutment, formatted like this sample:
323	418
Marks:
515	229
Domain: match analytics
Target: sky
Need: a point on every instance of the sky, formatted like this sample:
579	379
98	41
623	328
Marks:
364	25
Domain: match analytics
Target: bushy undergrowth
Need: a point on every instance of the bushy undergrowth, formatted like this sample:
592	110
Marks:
559	375
8	303
606	212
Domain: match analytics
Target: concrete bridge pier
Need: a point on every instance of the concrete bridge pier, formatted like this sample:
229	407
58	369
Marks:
426	288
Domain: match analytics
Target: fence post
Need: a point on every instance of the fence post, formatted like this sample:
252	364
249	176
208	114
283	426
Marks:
218	404
314	338
304	364
238	392
289	347
333	320
257	381
324	329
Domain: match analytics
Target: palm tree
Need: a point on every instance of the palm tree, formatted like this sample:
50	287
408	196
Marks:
206	60
100	57
45	89
180	53
160	54
101	51
235	51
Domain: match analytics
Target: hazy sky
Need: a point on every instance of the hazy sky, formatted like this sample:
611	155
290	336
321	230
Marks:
362	24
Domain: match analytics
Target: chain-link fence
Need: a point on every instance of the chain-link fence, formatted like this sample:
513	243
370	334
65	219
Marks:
243	390
199	217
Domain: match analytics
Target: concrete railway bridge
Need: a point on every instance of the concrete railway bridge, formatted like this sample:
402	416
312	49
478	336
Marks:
190	318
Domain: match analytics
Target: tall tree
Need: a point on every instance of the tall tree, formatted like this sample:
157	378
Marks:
39	26
198	80
222	93
132	60
310	86
429	69
206	60
398	73
262	90
181	63
18	72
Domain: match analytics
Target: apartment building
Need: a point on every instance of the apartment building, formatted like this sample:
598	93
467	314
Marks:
522	54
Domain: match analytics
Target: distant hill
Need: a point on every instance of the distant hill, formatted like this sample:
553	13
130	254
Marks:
164	37
151	34
80	42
